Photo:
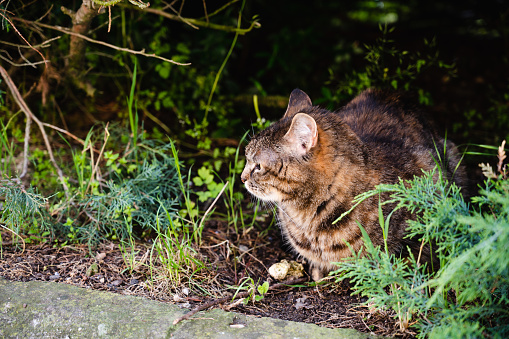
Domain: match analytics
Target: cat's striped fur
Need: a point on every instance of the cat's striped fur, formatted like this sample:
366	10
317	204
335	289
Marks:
313	162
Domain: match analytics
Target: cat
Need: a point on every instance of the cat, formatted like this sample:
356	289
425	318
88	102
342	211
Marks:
313	162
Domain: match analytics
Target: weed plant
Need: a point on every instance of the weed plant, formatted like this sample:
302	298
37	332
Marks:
23	211
468	295
7	149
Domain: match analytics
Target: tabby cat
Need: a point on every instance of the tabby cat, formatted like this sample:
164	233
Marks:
313	162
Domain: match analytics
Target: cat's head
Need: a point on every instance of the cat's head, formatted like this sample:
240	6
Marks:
277	159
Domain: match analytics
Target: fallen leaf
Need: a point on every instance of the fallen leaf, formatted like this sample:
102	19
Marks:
92	269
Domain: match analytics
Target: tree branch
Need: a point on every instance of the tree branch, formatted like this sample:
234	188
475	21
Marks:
81	20
23	106
204	24
84	37
2	11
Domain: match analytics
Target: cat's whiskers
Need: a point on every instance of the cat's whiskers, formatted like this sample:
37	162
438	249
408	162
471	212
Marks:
286	213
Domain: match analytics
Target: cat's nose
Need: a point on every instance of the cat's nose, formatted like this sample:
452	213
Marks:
244	176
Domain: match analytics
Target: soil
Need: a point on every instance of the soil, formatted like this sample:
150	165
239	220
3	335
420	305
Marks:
230	258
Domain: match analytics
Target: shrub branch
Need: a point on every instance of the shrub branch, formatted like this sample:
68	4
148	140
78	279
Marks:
84	37
30	116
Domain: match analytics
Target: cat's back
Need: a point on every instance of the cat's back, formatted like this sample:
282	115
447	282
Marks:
379	117
396	131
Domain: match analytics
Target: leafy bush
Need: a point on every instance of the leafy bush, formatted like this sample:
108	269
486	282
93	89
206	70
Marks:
388	67
134	198
467	296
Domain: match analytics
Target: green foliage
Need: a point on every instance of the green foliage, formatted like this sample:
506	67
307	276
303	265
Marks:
474	121
134	198
234	199
390	68
23	211
174	251
474	260
387	280
206	178
249	285
7	150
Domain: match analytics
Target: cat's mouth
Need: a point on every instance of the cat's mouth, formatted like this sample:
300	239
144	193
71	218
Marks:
262	193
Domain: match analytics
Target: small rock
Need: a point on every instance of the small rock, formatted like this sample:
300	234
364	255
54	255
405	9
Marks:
296	270
54	276
237	325
286	270
133	281
279	270
100	256
243	248
185	305
116	282
301	303
185	290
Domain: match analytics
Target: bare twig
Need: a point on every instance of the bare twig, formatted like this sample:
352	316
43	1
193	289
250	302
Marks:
67	133
94	170
222	8
24	107
237	296
212	205
205	10
21	35
27	63
12	242
501	158
43	44
25	147
98	42
109	19
204	24
156	120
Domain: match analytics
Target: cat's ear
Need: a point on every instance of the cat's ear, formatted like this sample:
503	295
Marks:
302	135
299	102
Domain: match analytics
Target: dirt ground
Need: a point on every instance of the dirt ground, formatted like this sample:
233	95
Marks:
230	258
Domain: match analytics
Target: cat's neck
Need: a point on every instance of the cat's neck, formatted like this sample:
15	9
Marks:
343	166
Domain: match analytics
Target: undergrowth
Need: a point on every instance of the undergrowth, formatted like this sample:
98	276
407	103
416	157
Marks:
142	194
467	296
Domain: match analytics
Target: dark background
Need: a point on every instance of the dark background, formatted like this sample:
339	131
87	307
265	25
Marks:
318	46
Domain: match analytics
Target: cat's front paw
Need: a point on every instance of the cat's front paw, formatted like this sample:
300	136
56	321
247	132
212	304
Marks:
317	273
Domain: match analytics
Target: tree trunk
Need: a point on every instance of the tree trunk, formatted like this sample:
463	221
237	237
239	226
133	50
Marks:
81	21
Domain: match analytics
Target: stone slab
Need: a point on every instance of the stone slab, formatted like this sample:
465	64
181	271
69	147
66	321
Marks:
40	309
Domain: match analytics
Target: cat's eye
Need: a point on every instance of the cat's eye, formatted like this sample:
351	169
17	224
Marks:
255	169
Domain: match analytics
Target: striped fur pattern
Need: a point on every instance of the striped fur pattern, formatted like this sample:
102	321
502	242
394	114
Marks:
313	162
